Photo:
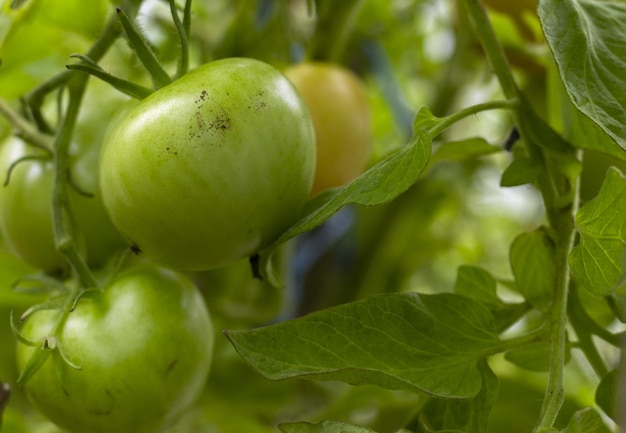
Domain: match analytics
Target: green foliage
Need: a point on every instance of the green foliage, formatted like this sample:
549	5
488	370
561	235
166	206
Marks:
534	267
589	52
415	299
586	421
598	260
428	343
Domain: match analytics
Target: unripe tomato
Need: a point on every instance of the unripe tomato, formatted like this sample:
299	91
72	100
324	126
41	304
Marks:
212	167
143	345
26	208
338	104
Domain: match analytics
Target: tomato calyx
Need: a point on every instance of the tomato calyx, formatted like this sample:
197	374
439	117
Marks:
47	346
64	301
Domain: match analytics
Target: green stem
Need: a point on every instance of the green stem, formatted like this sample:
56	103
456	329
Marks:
493	50
137	41
34	100
531	337
340	42
560	216
111	32
450	120
182	29
60	203
25	129
554	396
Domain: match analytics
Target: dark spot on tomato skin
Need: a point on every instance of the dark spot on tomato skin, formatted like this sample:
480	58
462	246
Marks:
203	96
170	367
255	267
221	122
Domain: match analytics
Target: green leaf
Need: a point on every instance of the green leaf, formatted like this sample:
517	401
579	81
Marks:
380	184
585	134
464	149
534	268
424	119
322	427
478	284
597	262
520	172
586	421
428	343
586	38
470	415
606	393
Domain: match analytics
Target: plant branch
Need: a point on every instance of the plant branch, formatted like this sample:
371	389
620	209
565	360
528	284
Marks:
560	214
63	229
341	41
182	28
111	32
160	78
564	238
531	337
25	129
450	120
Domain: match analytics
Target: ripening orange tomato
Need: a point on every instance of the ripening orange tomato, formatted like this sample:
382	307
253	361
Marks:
338	104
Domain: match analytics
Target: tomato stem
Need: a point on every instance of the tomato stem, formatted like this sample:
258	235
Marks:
25	129
450	120
63	227
560	212
182	29
137	41
341	41
90	67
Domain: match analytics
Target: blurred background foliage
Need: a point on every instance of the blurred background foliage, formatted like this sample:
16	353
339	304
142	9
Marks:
408	53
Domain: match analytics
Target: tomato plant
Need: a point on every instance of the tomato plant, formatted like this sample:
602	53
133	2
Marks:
26	214
212	167
141	350
339	107
465	276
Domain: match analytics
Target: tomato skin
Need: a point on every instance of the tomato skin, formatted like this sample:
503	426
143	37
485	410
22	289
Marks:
144	346
26	208
212	167
338	104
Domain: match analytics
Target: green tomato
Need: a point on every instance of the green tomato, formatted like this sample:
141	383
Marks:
26	208
212	167
143	344
339	107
